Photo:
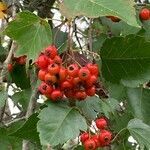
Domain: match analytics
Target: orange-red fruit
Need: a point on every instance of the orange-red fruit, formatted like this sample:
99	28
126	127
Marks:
91	91
84	73
90	144
93	68
45	88
76	81
57	60
51	51
50	79
96	140
53	69
113	18
92	80
84	136
42	62
66	85
80	95
22	60
73	70
41	74
105	138
101	123
56	95
144	14
10	67
62	74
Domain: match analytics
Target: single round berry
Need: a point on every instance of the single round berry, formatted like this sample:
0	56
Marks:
57	60
10	67
66	85
41	74
101	123
113	18
144	14
105	138
93	68
96	140
80	95
50	79
45	88
73	70
91	91
62	74
51	51
42	62
90	144
84	136
92	80
69	94
84	73
53	68
22	60
76	81
56	95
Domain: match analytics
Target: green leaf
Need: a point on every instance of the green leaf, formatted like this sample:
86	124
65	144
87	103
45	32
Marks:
22	97
90	107
19	76
138	100
28	130
59	123
140	132
31	32
126	60
124	9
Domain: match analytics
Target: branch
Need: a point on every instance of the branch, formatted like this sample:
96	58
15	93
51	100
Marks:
90	36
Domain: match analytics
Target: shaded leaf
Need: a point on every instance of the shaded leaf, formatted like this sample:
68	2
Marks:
126	60
3	98
140	132
59	123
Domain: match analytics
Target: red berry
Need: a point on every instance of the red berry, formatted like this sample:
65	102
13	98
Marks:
51	51
42	62
41	74
56	95
92	80
91	91
113	18
62	74
73	70
96	140
10	67
45	88
84	136
69	94
80	95
22	60
144	14
57	60
93	68
53	69
50	79
101	123
90	144
66	85
105	138
84	74
76	81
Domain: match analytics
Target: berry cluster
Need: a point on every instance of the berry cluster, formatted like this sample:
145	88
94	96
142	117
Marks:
144	14
16	60
102	138
71	81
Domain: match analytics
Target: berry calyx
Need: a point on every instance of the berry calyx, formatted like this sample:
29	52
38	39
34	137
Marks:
90	144
84	136
73	70
45	88
53	69
84	73
101	123
144	14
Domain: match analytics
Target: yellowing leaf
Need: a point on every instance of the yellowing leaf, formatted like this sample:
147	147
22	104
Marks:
3	8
